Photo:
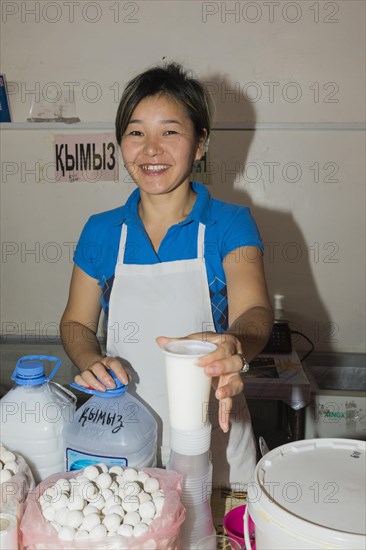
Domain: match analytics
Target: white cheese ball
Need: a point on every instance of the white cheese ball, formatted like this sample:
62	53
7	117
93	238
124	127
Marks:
90	509
112	522
147	510
121	493
56	525
107	493
61	515
130	505
90	521
5	475
98	502
2	450
102	467
157	494
76	503
142	476
140	529
63	485
61	502
73	483
12	467
151	485
51	494
98	532
125	530
144	497
121	481
159	503
81	480
131	489
89	491
132	518
43	502
66	533
116	470
8	456
114	486
112	501
104	480
75	519
130	474
75	492
91	472
49	513
116	509
81	535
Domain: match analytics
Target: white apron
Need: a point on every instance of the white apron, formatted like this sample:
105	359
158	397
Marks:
172	299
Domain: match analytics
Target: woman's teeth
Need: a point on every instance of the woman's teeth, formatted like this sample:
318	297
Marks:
154	167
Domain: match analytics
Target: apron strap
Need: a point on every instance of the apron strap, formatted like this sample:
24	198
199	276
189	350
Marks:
122	245
201	242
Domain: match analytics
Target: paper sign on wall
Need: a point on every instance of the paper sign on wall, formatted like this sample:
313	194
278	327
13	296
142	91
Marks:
86	158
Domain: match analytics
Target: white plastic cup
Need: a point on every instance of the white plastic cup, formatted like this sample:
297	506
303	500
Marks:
188	385
198	523
196	490
191	442
189	465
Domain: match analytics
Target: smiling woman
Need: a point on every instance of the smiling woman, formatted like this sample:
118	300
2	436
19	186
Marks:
196	271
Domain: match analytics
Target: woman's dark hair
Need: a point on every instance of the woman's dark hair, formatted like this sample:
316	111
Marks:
170	79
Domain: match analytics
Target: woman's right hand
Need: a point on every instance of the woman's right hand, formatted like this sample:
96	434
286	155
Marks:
96	375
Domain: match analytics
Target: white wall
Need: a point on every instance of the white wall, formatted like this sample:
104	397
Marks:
284	62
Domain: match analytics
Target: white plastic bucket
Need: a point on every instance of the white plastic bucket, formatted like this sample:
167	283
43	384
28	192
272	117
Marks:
310	494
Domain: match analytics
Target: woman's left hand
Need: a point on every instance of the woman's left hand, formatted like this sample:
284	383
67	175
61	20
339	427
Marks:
223	365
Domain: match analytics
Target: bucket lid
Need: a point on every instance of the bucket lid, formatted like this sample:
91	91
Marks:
118	390
29	370
321	481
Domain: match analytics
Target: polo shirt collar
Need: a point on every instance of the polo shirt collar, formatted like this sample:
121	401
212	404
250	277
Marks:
201	210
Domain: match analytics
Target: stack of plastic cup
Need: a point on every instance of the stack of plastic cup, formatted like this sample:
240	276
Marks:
190	434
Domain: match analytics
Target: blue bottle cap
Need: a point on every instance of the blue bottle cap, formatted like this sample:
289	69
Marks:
30	374
109	392
29	370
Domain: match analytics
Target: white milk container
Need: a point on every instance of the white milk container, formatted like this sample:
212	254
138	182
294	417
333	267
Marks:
33	414
112	427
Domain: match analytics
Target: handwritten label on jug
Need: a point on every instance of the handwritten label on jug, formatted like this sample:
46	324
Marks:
104	418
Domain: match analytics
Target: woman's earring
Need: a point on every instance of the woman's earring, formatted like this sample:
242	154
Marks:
205	147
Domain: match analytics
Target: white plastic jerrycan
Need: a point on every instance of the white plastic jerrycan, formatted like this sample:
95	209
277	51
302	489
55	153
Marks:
113	427
33	414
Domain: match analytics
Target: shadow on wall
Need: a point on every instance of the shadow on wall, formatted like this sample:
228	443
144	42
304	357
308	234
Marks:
287	259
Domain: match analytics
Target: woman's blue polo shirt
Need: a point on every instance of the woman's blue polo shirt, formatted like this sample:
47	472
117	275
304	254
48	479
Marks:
228	227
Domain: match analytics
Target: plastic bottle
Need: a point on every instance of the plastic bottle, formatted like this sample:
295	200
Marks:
279	312
33	414
111	427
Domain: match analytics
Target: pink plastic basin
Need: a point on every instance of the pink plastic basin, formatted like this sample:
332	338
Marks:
234	525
